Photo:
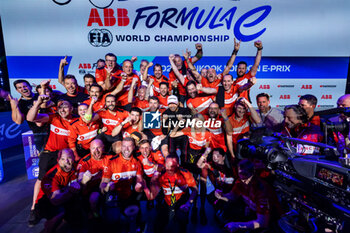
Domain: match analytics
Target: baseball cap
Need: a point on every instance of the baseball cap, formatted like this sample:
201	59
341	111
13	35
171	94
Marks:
173	100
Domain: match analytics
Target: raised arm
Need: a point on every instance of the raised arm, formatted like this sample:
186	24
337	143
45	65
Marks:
251	82
254	69
118	128
254	115
89	115
206	90
120	86
199	53
227	125
148	90
145	73
16	114
33	115
232	58
63	63
176	71
203	159
195	73
131	90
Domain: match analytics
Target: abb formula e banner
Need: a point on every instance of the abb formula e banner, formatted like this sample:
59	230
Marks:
306	49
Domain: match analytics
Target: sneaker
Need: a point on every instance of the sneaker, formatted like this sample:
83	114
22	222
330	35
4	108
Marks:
34	218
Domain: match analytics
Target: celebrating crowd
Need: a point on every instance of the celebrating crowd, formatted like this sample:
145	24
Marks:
97	157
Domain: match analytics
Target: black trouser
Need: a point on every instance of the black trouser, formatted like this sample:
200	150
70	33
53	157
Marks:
171	219
181	143
47	159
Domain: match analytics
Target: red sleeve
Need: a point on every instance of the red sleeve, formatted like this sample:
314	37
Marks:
72	137
159	158
139	170
55	184
107	172
189	179
82	166
100	75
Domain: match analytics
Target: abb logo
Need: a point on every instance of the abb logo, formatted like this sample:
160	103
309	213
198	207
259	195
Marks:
109	18
306	87
264	87
326	97
85	66
285	97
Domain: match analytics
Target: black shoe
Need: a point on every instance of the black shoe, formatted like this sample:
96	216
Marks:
34	218
194	218
203	217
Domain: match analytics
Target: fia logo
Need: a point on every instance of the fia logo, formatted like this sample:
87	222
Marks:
100	37
151	120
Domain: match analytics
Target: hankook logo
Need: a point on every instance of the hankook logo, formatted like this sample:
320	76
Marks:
100	37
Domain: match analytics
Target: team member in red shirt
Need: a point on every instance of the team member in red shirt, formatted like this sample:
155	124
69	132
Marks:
158	77
221	131
82	133
131	124
232	91
106	76
122	97
182	66
89	79
222	175
198	141
211	79
90	170
242	76
156	136
58	138
240	121
111	117
308	103
297	126
151	160
176	183
200	97
163	95
262	205
96	92
143	93
59	188
123	177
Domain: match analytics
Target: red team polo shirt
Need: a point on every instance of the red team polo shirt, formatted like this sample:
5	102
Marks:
241	81
141	104
111	120
101	73
197	141
123	173
200	103
155	157
173	185
59	132
217	134
122	97
230	99
156	83
55	179
82	133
